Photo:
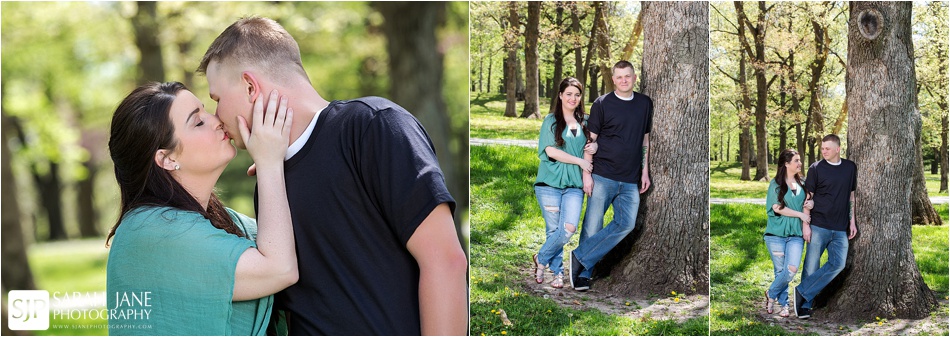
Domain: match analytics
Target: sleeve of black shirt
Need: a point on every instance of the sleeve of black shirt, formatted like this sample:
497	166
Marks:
649	122
401	171
854	177
811	179
596	118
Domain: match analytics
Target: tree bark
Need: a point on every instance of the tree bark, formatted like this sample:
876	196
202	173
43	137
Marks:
761	84
592	88
943	153
922	210
147	30
532	99
576	30
558	56
16	274
511	62
603	49
415	67
881	278
634	37
670	250
745	138
815	129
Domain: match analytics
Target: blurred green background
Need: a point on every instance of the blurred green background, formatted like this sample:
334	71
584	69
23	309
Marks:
66	66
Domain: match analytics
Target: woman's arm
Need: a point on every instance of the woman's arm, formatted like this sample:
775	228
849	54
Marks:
567	158
791	212
273	265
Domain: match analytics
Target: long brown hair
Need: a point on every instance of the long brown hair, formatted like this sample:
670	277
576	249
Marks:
780	174
559	122
141	126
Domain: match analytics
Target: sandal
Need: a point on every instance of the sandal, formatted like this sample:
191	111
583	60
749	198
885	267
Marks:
558	281
769	302
538	270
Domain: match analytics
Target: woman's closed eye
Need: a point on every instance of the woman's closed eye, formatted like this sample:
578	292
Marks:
200	123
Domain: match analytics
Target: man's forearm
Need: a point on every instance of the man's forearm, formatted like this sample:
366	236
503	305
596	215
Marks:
443	301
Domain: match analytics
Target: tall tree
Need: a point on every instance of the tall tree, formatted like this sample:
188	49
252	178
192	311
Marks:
881	277
16	274
814	126
532	100
670	250
147	32
756	53
511	62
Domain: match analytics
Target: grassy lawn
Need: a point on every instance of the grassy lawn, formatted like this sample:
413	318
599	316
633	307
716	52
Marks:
68	267
724	182
740	267
506	229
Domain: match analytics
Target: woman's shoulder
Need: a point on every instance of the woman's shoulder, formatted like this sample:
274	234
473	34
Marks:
247	224
152	215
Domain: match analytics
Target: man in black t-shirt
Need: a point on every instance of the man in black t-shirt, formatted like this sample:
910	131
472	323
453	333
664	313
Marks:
830	183
377	250
619	124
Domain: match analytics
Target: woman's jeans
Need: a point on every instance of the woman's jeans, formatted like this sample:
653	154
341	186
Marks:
786	253
561	209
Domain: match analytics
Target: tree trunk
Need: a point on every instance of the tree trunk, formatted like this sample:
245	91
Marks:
592	88
634	37
745	138
532	100
16	274
415	66
576	30
762	97
881	278
558	57
147	30
922	210
822	41
511	62
670	250
603	49
943	153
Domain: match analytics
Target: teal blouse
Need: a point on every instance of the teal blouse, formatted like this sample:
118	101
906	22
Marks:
780	225
554	173
170	272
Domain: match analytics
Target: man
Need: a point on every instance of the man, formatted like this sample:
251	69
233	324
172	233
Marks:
830	183
619	123
376	242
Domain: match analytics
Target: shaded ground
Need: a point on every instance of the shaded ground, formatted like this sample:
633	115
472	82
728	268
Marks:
933	325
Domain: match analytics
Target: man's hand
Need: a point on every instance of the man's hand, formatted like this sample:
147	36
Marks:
590	148
806	232
852	230
644	181
588	183
809	204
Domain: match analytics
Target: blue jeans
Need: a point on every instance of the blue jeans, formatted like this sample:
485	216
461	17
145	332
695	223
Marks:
597	240
786	256
815	279
561	208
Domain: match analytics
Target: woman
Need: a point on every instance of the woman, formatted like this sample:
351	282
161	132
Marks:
783	233
558	187
181	263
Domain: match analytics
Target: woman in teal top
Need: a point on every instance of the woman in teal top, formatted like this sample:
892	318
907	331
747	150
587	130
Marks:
181	263
786	210
558	187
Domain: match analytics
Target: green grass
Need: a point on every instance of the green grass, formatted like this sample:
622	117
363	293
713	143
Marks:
740	267
506	229
68	267
487	120
724	182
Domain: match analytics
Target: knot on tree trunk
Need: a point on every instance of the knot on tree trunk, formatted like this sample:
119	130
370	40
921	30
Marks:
869	23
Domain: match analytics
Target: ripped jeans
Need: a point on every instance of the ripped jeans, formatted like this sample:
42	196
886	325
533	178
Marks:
786	253
561	209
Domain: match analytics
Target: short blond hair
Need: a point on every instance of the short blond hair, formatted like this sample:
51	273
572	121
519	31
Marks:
259	42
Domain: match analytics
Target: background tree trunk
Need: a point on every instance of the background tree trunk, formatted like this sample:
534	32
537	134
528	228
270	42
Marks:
16	274
147	30
670	250
532	100
414	57
881	278
511	62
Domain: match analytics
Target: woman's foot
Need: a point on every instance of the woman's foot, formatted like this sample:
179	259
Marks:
784	312
558	281
769	302
538	270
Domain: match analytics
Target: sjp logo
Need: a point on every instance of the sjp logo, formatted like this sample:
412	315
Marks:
28	309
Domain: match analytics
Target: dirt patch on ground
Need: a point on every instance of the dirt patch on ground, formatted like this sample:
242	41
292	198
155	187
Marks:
933	325
666	307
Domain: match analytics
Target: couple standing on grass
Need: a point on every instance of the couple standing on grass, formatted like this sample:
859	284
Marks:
603	156
354	232
820	212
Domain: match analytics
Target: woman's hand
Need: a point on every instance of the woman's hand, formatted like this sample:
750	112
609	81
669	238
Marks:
590	148
585	165
268	141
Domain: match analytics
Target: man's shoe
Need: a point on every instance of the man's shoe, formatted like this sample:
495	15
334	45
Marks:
804	313
582	284
576	269
799	301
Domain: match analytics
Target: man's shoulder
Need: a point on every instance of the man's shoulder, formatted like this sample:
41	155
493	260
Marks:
637	95
848	162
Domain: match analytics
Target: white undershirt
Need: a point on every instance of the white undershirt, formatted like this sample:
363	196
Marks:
299	143
834	164
625	99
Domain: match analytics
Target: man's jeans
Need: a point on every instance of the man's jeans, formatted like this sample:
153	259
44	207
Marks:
786	255
596	240
560	208
815	279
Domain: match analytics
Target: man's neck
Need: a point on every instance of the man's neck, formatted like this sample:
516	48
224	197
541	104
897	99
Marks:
624	94
834	161
305	103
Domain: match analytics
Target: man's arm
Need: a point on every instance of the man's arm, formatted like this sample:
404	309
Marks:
645	176
587	177
443	295
806	225
853	229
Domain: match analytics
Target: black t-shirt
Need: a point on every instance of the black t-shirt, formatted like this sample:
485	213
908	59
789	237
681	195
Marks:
364	181
832	186
620	126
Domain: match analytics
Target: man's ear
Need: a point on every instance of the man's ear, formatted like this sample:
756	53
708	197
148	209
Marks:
162	159
252	88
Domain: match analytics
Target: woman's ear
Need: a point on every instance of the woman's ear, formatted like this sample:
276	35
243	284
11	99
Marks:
251	86
162	159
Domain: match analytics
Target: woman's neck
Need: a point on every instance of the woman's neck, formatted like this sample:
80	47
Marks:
568	116
791	177
199	186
